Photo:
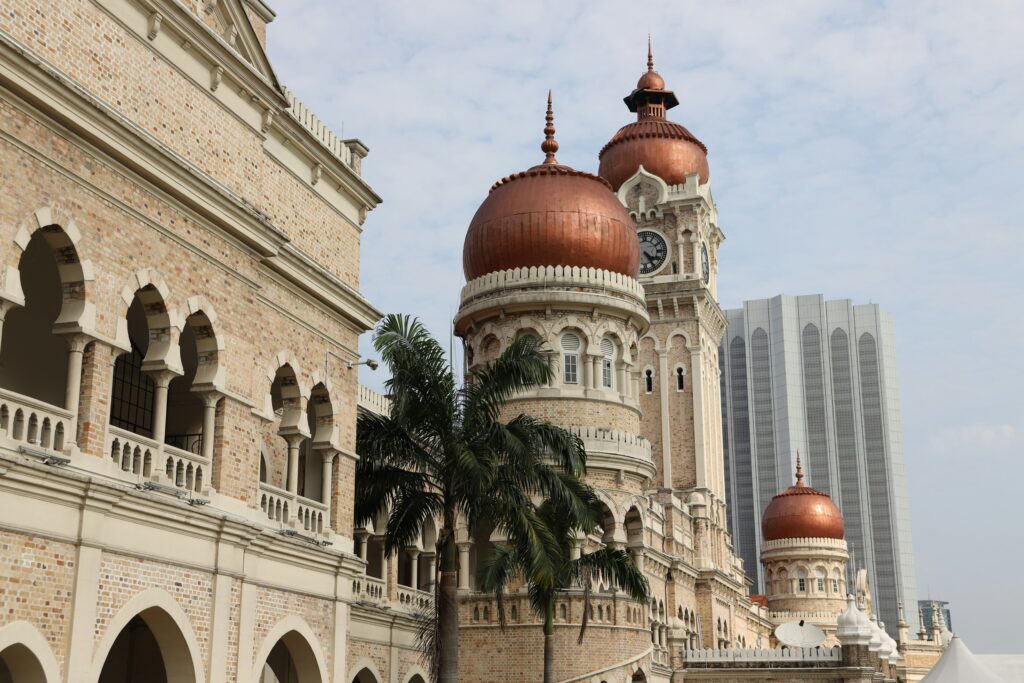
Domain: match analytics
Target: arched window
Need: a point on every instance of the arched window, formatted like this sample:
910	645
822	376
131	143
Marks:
819	580
570	358
801	581
680	379
649	380
607	357
562	612
835	581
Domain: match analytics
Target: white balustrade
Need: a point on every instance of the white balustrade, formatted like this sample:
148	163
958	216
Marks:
412	598
369	589
370	400
754	656
277	504
311	515
26	420
146	459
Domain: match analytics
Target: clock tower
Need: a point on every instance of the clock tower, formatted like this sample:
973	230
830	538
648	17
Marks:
659	170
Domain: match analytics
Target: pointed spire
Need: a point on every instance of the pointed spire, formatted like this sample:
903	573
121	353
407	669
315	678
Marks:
550	145
650	55
799	470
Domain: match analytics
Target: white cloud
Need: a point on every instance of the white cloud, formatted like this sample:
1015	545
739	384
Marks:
864	150
978	437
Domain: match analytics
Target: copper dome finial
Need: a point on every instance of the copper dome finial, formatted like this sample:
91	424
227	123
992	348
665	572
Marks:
650	55
799	471
550	145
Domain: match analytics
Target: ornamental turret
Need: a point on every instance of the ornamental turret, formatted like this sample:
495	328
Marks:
804	555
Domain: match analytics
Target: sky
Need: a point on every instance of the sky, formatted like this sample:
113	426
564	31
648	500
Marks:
863	150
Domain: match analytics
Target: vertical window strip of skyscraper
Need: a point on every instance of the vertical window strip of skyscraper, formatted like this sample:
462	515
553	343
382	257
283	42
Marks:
764	417
746	542
878	477
729	502
846	445
814	395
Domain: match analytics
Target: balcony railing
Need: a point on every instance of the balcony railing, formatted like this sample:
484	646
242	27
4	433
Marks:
26	420
293	511
369	589
159	463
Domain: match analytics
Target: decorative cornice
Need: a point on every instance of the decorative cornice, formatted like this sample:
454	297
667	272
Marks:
552	276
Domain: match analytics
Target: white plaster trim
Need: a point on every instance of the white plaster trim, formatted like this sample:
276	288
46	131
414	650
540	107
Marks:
552	276
25	634
364	663
148	599
281	629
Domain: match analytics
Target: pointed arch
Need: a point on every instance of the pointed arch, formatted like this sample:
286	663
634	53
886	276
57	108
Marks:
416	674
27	655
302	645
171	628
364	671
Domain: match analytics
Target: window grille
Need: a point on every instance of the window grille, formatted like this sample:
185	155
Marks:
131	405
801	585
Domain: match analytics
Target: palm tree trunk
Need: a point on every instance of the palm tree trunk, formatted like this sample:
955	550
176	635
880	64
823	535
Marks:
448	615
549	642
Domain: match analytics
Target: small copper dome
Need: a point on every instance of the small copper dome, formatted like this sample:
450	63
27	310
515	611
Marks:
551	215
663	148
801	512
651	80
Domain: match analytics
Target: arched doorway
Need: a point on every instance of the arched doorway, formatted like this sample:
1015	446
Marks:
291	660
19	665
149	649
365	676
639	676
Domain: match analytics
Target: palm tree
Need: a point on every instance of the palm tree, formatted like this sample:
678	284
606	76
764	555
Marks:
444	452
509	562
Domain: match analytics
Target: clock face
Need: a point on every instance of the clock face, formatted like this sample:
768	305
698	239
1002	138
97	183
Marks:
705	266
653	251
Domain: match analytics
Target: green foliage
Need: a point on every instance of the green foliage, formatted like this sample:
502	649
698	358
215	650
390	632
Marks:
443	452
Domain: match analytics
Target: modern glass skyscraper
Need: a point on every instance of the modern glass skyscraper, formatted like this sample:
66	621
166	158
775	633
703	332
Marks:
819	377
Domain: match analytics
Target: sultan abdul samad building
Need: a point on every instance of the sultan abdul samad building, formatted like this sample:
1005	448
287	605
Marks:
180	308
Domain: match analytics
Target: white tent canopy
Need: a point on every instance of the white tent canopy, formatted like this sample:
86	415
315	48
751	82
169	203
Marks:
959	665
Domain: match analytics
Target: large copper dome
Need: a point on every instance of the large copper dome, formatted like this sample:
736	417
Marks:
551	215
801	512
666	149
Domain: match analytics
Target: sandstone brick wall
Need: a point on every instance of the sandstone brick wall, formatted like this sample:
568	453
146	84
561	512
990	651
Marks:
274	605
122	578
82	41
126	228
36	582
488	654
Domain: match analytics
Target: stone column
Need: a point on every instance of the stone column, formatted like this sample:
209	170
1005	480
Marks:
327	456
294	441
596	372
161	381
414	568
73	389
364	542
210	399
464	565
431	569
384	569
638	558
